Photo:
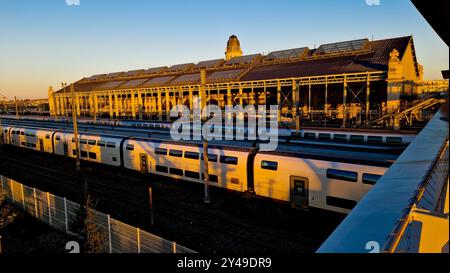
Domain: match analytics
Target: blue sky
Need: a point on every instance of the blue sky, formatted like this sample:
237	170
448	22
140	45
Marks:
47	42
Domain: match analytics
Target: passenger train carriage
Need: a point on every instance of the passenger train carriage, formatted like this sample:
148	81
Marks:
300	180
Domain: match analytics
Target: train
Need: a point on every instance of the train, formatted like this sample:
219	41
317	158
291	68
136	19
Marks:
303	181
323	134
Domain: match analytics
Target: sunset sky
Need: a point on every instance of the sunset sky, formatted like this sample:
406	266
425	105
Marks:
44	43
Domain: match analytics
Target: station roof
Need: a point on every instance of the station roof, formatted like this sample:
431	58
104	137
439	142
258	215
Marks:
356	56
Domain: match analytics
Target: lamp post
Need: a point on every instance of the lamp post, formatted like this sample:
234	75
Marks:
75	129
205	140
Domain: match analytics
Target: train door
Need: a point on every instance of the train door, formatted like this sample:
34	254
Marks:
66	149
41	145
144	163
299	192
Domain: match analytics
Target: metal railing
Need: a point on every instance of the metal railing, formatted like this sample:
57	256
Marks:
429	197
63	215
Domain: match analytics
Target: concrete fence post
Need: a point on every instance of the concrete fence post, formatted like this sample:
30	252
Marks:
65	215
49	209
138	238
109	233
35	203
23	196
12	190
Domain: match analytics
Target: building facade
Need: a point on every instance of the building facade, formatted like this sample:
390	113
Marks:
345	81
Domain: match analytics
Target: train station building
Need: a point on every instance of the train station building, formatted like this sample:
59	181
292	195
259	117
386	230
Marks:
343	81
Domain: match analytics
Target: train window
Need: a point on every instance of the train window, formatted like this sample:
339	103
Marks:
176	171
74	152
111	144
191	155
92	142
176	153
47	136
370	179
130	147
234	181
342	175
161	169
22	133
23	143
212	178
310	135
83	141
83	154
356	138
340	202
269	165
375	139
340	137
160	151
229	160
33	145
394	140
58	138
101	143
92	155
211	157
114	159
324	136
191	174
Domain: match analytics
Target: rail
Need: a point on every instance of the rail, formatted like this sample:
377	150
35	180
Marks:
63	215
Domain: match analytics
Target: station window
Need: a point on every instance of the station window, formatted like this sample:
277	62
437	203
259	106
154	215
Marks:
356	138
211	157
92	142
340	202
176	171
231	160
160	151
342	175
269	165
93	156
114	159
161	169
375	139
176	153
191	155
130	147
111	145
191	174
370	179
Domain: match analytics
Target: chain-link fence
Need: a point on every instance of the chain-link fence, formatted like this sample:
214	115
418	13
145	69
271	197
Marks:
112	236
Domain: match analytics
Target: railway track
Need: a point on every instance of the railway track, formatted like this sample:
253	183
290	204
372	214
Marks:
200	216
